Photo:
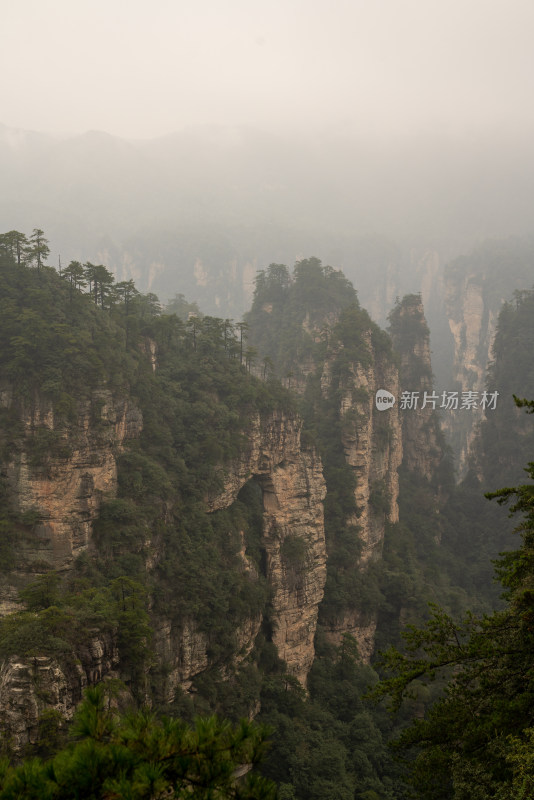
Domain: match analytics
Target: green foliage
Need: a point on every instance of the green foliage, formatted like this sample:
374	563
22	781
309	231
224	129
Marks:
331	745
294	550
139	756
179	305
53	343
463	747
407	326
46	443
60	617
507	440
196	412
349	332
13	527
52	733
32	634
43	592
37	250
288	312
14	247
379	498
64	340
438	555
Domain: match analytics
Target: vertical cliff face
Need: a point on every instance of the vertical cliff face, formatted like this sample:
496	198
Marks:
462	300
378	442
372	445
293	543
372	442
505	440
421	435
30	686
475	288
472	323
61	474
62	487
296	555
293	538
311	323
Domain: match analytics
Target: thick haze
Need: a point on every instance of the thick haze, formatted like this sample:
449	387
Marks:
187	145
387	68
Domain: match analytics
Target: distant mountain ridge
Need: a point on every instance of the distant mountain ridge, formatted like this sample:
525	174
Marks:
271	197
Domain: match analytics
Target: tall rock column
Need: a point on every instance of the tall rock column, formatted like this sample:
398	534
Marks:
293	487
373	448
421	434
372	444
296	556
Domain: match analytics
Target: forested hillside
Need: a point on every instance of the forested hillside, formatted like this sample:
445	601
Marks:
476	741
475	286
205	516
506	442
178	602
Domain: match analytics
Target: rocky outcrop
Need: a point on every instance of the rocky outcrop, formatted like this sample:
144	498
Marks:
472	325
61	473
293	489
58	475
269	441
359	625
184	651
475	288
65	490
373	448
31	686
372	441
418	403
296	555
376	442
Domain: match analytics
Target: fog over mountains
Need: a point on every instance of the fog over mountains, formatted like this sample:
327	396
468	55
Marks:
200	210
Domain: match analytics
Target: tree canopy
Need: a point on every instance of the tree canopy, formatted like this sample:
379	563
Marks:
137	756
476	741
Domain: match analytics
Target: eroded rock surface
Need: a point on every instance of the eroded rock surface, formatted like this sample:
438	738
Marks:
372	441
32	685
67	483
293	490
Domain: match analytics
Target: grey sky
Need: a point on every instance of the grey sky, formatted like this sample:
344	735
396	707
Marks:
143	69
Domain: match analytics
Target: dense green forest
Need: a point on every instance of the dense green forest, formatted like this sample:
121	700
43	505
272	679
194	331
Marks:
441	549
66	337
507	440
196	410
476	741
142	756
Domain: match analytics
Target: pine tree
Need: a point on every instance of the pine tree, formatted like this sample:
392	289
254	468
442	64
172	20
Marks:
139	756
473	741
16	245
38	250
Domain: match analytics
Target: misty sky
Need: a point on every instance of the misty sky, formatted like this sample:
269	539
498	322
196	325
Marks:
385	67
